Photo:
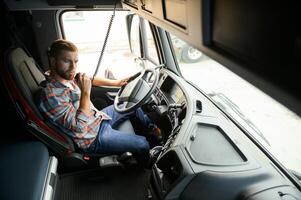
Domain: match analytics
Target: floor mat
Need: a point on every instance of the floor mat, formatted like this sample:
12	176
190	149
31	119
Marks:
109	184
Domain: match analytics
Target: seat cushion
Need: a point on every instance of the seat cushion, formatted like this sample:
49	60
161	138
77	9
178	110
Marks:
23	170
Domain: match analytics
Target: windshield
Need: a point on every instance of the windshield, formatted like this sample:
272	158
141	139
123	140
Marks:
88	29
276	127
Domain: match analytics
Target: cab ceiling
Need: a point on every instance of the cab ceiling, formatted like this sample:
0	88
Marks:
14	5
258	40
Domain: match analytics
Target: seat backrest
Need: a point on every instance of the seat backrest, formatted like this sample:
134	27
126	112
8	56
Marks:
27	76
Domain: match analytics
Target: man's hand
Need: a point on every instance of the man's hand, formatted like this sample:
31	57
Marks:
99	81
84	83
122	82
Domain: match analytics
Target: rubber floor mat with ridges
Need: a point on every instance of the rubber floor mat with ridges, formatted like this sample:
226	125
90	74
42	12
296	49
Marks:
105	185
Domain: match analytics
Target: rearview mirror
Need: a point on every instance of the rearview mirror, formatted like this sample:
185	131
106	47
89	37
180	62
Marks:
133	31
129	19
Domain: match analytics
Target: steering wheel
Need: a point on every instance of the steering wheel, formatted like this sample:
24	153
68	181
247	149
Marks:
135	93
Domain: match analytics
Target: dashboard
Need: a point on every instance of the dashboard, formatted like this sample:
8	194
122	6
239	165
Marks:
204	152
170	105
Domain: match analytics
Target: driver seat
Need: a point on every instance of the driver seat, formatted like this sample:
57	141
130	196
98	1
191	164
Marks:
23	78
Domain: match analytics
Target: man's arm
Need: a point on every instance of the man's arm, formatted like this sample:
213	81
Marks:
98	81
60	110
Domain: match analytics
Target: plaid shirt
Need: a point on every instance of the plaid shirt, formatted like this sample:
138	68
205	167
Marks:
59	103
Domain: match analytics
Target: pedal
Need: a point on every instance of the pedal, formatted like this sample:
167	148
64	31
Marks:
110	161
125	157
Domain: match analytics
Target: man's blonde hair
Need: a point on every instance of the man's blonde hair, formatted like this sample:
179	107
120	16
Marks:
58	45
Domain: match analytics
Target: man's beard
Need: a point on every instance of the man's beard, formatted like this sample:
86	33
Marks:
66	74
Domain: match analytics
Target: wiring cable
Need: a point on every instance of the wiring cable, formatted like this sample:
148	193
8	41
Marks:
105	42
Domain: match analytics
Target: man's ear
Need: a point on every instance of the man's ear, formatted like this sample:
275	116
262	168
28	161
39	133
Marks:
52	61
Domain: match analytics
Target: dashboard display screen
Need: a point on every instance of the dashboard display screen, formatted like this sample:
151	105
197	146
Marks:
176	93
172	90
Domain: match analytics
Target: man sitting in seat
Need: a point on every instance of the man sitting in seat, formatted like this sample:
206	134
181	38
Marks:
66	103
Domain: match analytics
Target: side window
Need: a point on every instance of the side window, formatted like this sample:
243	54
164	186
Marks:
87	29
185	53
259	114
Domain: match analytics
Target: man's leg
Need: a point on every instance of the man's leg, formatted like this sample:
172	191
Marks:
112	141
117	118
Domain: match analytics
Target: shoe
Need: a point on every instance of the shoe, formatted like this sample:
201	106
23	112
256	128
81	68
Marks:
157	131
157	135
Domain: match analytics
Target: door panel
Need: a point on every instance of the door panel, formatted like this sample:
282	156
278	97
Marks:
102	97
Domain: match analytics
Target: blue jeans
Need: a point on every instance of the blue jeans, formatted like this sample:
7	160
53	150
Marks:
111	141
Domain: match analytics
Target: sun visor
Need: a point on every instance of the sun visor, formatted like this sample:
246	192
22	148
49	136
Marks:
258	40
82	3
176	16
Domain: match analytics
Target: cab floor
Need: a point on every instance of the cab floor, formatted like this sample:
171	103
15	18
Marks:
107	184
